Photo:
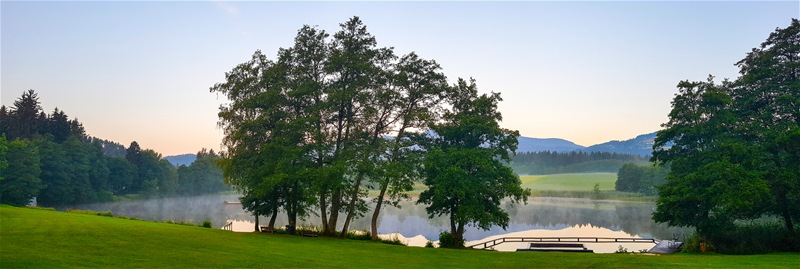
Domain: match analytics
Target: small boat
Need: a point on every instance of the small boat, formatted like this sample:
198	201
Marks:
666	247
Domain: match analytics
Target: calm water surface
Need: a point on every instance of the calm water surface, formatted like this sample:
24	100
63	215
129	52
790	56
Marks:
542	217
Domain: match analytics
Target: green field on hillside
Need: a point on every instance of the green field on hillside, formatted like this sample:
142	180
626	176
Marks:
569	182
33	238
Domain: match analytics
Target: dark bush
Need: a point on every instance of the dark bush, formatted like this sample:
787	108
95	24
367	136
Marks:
754	237
446	240
90	212
359	235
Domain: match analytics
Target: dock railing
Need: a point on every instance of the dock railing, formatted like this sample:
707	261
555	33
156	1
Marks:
228	226
494	242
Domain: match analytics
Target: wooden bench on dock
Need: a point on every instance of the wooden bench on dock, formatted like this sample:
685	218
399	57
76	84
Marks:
266	229
557	247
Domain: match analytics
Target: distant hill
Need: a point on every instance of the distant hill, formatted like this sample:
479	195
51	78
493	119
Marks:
183	159
536	156
641	145
529	144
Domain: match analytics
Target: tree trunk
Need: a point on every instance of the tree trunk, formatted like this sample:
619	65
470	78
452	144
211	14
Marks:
787	219
459	238
352	205
257	229
291	214
336	204
378	206
453	229
385	184
323	212
272	219
783	207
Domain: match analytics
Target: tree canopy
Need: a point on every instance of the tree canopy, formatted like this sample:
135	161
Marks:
331	117
735	153
465	164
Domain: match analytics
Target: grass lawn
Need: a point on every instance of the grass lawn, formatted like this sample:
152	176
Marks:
33	238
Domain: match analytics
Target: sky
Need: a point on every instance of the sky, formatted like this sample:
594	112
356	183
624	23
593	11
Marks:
588	72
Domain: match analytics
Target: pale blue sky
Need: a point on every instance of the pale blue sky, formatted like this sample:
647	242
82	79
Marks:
588	72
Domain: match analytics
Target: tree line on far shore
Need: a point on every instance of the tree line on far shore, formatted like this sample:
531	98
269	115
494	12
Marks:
548	162
50	157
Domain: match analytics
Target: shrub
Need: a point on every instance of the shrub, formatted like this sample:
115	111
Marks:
178	222
206	224
693	244
41	208
596	194
429	244
90	212
393	241
755	237
750	237
304	228
359	235
446	240
104	196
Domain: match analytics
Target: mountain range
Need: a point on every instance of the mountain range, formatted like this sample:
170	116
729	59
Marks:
640	145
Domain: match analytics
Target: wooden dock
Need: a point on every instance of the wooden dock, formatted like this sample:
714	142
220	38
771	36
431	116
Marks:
557	247
494	242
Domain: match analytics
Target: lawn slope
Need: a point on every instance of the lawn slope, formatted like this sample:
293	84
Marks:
32	238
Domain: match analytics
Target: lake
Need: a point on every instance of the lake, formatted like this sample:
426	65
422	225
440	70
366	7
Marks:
542	217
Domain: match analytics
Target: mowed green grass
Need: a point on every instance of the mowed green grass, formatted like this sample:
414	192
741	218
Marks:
569	182
32	238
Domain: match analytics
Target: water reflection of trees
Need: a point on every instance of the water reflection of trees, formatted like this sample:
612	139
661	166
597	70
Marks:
411	219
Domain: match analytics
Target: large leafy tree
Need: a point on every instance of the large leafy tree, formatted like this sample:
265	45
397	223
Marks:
313	120
735	153
21	180
642	179
466	163
711	182
767	100
202	176
72	172
153	175
359	102
419	87
121	175
264	138
328	119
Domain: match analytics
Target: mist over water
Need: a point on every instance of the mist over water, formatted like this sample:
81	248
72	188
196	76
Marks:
190	209
410	220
